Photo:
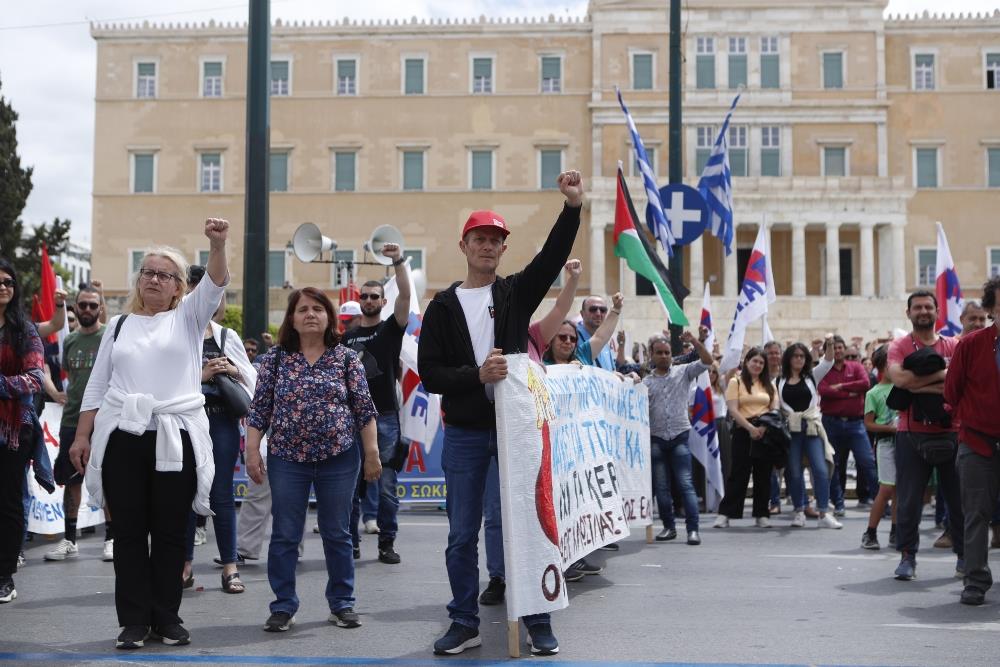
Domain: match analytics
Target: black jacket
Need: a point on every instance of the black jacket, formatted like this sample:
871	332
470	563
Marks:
927	408
445	357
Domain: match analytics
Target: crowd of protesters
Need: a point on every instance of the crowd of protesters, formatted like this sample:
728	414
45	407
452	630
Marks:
158	399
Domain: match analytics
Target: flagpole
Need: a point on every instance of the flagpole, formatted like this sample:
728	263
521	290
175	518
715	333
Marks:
676	171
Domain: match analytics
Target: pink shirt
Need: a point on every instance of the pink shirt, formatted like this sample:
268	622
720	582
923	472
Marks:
536	346
899	350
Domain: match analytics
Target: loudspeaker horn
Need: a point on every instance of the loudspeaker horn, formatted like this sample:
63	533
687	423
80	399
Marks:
308	243
382	235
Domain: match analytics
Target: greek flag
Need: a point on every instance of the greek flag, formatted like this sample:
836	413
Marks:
716	186
655	217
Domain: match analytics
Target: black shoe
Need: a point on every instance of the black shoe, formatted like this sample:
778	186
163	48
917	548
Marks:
973	596
586	567
666	535
357	553
494	592
892	537
458	638
279	621
607	547
132	636
7	591
345	618
386	554
171	635
694	539
870	541
541	640
572	574
240	560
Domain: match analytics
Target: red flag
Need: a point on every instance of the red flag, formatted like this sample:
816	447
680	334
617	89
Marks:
350	293
43	305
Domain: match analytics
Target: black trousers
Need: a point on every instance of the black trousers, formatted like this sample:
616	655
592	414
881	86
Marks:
912	475
151	514
12	479
743	467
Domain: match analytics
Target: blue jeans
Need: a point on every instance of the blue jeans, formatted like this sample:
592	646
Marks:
386	501
334	480
848	436
672	459
465	459
225	432
812	447
492	523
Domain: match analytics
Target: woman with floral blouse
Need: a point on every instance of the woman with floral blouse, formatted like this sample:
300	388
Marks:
312	400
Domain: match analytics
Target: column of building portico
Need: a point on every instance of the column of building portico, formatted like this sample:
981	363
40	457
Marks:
601	213
730	281
867	258
898	260
833	259
696	262
798	258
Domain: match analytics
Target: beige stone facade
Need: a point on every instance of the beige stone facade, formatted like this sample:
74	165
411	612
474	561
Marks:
857	133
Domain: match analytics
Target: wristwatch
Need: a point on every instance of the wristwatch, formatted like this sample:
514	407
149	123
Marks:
399	261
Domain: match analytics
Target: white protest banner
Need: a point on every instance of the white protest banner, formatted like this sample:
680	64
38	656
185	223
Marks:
573	449
46	515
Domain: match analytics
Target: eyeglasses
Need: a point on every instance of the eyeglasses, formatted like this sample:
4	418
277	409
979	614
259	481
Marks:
369	297
161	276
566	338
851	357
8	283
71	320
87	305
597	309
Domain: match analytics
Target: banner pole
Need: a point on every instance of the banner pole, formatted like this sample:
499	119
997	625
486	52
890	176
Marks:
513	638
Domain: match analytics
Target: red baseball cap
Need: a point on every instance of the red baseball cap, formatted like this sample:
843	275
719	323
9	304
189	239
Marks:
485	219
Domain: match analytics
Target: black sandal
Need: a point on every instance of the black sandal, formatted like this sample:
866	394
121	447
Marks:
189	582
231	583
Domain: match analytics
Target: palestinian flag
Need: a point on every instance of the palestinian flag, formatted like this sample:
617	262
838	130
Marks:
635	248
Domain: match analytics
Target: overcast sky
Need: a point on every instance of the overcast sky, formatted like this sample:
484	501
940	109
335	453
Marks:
47	70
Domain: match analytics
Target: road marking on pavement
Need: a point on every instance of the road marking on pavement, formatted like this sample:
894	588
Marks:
977	627
872	557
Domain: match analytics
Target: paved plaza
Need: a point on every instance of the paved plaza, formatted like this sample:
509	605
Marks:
746	596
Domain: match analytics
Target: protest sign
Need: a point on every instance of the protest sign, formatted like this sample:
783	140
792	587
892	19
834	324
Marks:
573	449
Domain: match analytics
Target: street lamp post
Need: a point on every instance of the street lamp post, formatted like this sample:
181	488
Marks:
255	243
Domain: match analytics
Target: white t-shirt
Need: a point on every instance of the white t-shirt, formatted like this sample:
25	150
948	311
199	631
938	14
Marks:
477	304
157	354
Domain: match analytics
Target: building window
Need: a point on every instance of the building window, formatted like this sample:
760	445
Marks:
993	71
634	169
705	63
413	76
202	258
145	80
834	161
993	167
549	168
923	71
347	76
413	170
416	257
833	70
143	172
705	139
737	62
926	266
210	175
344	171
642	71
279	172
738	150
211	78
770	151
276	268
481	169
551	74
281	79
770	63
482	75
994	268
926	168
135	262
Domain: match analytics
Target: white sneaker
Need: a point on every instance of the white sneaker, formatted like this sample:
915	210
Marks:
65	549
762	522
109	551
827	521
799	520
721	521
371	527
200	536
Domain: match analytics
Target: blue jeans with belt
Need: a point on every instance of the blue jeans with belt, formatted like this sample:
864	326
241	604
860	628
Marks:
466	459
671	459
848	436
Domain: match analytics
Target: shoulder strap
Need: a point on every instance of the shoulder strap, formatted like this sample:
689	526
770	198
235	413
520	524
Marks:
222	344
118	325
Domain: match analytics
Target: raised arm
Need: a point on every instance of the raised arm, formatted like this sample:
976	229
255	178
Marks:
608	326
46	329
401	310
217	229
99	286
549	325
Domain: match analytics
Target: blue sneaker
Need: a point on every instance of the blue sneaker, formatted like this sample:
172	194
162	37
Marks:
541	640
960	568
907	569
458	638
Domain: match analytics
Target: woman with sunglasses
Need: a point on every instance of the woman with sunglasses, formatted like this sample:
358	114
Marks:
749	395
566	347
800	402
143	436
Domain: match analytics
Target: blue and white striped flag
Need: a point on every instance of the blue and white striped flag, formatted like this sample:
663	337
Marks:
716	186
655	217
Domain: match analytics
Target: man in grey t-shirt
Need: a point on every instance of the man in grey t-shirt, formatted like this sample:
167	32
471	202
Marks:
669	423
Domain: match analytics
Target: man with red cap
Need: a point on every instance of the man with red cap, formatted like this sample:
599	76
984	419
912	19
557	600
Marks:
466	330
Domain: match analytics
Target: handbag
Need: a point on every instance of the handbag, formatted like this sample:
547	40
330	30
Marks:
236	399
935	449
